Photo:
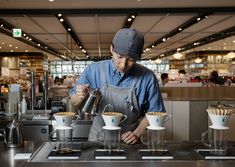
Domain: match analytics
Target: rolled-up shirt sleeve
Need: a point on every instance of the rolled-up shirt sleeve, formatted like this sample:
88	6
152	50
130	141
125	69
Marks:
154	98
84	79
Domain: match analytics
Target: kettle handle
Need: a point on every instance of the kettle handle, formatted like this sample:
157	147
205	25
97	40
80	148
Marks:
3	134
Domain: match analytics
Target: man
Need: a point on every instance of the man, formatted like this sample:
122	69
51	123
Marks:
165	78
129	87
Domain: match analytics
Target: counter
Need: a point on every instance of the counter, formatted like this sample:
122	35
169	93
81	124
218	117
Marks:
184	154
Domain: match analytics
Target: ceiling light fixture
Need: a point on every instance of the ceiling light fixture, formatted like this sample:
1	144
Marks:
231	55
198	60
59	15
129	19
177	55
61	20
158	61
51	0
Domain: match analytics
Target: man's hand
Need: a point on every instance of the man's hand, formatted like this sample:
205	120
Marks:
78	97
82	91
129	137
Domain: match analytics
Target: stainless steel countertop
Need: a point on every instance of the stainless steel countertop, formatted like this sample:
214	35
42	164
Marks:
183	152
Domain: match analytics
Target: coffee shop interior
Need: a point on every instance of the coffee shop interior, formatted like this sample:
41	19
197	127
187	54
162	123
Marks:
46	45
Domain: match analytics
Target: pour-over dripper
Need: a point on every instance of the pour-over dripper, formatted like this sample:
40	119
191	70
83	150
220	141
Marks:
64	118
219	118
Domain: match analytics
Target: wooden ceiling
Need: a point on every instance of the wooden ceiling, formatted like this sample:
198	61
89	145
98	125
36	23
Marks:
93	24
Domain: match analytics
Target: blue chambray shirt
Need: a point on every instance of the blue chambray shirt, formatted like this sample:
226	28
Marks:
147	89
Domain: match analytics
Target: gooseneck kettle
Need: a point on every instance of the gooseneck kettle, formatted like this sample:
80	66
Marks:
12	134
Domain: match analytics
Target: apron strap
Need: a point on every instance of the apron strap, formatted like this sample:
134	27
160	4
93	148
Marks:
102	73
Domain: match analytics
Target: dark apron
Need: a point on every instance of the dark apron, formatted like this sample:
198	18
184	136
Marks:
122	99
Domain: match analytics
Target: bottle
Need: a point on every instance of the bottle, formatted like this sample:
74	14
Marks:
23	105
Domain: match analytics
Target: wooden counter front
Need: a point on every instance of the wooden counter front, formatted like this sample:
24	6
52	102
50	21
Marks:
199	93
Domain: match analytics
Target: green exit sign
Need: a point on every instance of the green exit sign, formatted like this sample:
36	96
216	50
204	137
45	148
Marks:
17	32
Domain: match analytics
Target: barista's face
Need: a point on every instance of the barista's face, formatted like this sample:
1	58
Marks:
121	62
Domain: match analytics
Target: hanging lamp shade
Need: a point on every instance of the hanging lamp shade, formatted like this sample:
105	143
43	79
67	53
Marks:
158	61
198	60
177	55
231	55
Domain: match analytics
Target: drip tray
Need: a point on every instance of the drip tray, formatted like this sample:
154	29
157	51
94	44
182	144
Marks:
105	154
73	155
161	154
208	154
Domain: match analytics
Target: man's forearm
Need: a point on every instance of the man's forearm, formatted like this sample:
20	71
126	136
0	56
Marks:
75	100
141	127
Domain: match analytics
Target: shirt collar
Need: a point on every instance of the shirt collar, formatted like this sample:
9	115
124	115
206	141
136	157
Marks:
114	70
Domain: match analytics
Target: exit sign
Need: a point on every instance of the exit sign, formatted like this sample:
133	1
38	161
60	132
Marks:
17	32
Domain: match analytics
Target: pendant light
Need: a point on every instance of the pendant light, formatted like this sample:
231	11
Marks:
198	60
158	61
231	54
177	55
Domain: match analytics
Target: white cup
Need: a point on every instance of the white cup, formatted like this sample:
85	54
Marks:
219	121
113	119
64	118
157	119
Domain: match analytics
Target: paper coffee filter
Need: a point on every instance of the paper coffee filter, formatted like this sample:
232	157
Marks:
64	118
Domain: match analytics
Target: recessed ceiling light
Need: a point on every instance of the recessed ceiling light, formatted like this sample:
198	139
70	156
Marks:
27	37
39	44
51	0
46	47
133	16
69	29
12	50
129	19
233	41
24	35
59	15
180	29
10	45
16	47
164	39
224	47
26	50
0	47
1	25
198	19
61	20
30	39
138	0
